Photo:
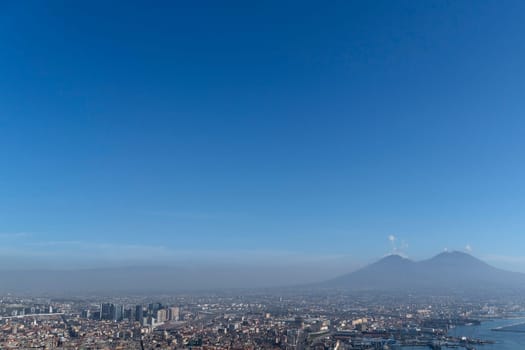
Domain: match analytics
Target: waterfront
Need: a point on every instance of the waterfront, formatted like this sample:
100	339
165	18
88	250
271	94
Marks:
503	340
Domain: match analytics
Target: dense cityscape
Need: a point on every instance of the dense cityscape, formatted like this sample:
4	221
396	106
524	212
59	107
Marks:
248	320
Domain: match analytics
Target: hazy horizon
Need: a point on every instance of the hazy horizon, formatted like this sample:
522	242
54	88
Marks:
450	270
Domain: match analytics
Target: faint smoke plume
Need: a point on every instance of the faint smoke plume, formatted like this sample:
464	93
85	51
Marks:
468	248
392	240
396	246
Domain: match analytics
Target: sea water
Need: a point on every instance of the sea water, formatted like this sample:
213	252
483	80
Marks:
503	340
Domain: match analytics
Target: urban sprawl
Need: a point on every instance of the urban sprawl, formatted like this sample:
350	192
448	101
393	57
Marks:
247	320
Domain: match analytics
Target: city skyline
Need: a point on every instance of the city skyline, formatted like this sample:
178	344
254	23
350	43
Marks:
278	134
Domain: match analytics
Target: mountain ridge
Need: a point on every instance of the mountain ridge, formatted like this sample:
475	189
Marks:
447	270
443	272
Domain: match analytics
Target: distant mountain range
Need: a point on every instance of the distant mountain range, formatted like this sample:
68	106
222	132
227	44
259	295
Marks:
446	271
450	271
132	279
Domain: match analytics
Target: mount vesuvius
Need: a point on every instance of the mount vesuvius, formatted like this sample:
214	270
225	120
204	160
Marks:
446	271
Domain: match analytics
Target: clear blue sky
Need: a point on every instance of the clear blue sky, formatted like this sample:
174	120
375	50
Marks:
269	128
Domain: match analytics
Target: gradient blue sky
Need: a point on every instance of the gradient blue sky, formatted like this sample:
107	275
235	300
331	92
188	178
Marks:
296	131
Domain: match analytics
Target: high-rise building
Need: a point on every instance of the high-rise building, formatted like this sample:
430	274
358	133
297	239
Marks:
173	313
106	311
114	312
128	314
153	308
117	312
139	314
162	315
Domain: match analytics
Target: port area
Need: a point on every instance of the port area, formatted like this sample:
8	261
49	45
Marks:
449	343
417	342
